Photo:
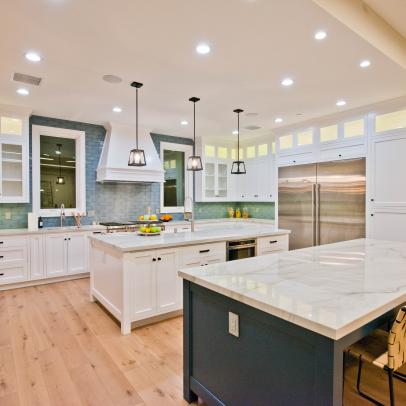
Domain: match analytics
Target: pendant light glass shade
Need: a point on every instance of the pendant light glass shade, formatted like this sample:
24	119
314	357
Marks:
60	180
238	167
194	162
137	156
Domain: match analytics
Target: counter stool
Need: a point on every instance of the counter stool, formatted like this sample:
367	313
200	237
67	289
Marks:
384	350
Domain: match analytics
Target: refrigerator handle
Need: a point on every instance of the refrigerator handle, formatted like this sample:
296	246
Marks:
314	212
318	214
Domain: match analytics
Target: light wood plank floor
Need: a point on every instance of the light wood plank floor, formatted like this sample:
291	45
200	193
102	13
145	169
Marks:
57	348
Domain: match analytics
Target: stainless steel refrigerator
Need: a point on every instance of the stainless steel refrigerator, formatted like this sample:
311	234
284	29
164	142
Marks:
322	203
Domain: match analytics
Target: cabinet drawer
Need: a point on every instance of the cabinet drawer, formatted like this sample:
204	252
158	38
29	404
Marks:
272	244
10	254
13	274
197	253
296	159
6	242
335	154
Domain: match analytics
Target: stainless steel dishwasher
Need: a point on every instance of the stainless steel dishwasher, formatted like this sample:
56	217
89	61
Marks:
240	249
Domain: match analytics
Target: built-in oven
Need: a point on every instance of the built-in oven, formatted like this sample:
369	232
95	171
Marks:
240	249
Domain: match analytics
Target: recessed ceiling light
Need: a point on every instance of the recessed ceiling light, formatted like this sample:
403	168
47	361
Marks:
203	49
341	103
184	122
58	152
278	120
365	63
32	56
235	132
252	114
287	82
117	109
23	91
319	35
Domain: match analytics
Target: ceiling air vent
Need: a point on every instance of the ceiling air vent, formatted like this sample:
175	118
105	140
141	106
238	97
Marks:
252	127
27	79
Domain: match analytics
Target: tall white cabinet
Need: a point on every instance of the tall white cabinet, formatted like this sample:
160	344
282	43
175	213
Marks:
387	169
14	155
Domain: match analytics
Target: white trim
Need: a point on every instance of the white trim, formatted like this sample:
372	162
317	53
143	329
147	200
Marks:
188	150
79	136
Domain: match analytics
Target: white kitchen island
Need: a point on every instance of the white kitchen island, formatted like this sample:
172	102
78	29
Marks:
297	312
136	277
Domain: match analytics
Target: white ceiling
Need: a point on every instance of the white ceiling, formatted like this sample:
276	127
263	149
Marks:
393	11
255	43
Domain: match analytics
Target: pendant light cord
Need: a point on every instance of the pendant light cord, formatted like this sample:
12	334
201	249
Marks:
59	159
136	116
194	128
238	140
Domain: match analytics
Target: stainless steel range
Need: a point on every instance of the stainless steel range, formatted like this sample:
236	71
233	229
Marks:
129	226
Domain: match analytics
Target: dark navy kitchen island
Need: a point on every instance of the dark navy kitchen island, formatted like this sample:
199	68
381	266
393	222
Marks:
293	326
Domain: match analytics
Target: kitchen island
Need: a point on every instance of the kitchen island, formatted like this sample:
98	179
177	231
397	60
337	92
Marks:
273	329
136	277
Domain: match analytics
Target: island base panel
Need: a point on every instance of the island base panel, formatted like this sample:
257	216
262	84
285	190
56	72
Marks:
271	362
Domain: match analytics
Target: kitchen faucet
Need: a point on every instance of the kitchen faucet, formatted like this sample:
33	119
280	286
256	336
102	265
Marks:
62	214
189	215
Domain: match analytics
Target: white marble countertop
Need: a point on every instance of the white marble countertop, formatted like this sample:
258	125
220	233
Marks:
127	242
48	230
332	289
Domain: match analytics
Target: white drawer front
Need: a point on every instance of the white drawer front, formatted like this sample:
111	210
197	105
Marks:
19	241
198	253
13	274
271	244
10	255
336	154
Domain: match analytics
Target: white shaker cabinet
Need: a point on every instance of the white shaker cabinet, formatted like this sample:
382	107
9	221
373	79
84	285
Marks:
55	255
168	282
151	285
77	247
387	205
65	254
13	260
37	257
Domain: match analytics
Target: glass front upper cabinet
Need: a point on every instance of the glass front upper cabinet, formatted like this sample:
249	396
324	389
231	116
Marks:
14	163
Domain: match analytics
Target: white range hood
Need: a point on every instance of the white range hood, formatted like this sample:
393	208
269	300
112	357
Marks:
113	163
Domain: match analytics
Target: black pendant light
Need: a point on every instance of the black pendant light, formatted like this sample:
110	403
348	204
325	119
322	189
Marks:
60	180
137	156
194	162
238	167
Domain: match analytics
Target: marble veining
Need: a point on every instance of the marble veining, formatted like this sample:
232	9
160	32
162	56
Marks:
332	289
127	242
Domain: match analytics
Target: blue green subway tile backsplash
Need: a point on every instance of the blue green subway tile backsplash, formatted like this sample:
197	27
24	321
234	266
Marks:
116	201
219	210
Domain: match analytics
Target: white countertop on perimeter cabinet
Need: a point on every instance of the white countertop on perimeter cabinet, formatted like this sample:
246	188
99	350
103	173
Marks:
127	242
48	230
331	289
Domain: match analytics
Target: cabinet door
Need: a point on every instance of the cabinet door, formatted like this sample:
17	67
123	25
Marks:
142	278
387	167
388	224
77	253
168	281
37	254
222	180
55	254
